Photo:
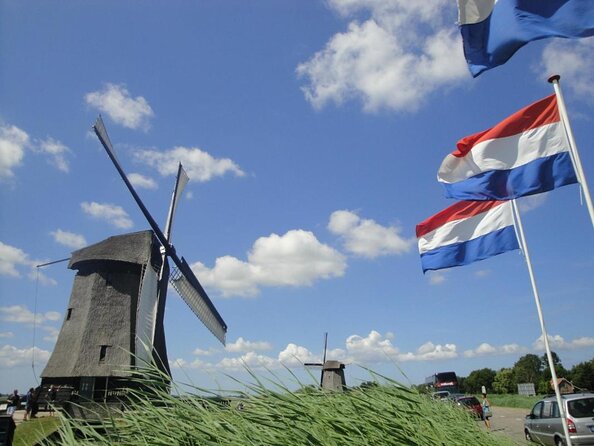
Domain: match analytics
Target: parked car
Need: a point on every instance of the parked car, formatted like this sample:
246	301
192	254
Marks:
470	403
544	424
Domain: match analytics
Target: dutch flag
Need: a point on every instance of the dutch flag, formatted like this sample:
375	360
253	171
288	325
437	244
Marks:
466	232
526	154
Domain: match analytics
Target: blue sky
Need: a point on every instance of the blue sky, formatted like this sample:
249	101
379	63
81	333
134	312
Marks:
312	133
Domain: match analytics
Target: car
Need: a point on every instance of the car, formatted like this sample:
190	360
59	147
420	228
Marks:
544	424
470	403
440	395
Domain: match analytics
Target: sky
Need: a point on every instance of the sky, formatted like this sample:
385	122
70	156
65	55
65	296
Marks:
312	132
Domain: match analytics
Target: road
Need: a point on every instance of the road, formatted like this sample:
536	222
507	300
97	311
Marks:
509	422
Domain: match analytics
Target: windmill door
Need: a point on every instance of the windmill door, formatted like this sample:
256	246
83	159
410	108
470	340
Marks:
87	387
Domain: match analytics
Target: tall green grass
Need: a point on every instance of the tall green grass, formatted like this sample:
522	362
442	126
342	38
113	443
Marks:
384	414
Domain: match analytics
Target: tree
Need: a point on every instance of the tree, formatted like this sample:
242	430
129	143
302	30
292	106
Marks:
504	381
478	378
582	375
559	369
528	369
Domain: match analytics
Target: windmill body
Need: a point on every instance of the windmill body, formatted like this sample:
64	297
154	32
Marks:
113	325
114	319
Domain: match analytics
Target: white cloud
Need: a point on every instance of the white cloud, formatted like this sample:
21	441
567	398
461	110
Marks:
294	259
250	360
295	356
572	59
242	345
202	352
557	342
372	348
11	356
57	151
199	165
69	239
20	314
430	352
394	60
142	182
114	215
436	278
13	142
6	334
116	102
365	237
10	257
486	349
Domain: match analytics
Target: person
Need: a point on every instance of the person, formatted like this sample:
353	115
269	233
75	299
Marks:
28	404
486	411
51	397
13	401
35	402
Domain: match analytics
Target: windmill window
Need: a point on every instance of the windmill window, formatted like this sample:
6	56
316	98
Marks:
103	353
69	314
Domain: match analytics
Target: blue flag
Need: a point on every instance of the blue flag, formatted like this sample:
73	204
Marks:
492	31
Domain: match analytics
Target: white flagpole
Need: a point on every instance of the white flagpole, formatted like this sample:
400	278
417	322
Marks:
572	145
524	248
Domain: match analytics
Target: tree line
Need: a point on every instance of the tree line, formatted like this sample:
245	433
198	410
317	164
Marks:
529	368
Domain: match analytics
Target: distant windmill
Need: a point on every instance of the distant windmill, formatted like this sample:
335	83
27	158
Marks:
332	377
114	320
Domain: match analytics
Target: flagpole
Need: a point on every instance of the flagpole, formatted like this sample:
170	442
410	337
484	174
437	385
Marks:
524	248
572	145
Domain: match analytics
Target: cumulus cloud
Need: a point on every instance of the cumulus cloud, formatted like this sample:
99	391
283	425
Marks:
11	356
200	165
572	59
10	257
69	239
13	142
296	258
20	314
115	101
436	278
251	360
486	349
295	356
57	152
393	60
372	348
365	237
112	214
242	345
430	352
142	181
557	342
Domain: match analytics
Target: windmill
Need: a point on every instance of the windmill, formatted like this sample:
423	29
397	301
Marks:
114	321
332	377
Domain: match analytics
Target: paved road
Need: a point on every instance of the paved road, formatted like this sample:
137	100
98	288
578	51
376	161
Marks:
509	422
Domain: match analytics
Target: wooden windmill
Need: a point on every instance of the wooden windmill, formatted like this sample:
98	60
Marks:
114	322
332	377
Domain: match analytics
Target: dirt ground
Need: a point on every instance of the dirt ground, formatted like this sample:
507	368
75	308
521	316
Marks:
509	422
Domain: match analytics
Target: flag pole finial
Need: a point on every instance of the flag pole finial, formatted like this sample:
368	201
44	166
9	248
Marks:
554	78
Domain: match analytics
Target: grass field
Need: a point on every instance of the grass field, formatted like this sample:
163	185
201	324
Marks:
519	401
383	414
32	432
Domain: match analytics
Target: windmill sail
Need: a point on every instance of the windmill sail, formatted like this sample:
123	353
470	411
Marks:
182	278
186	284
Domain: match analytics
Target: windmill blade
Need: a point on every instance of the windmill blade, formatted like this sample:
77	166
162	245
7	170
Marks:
180	183
186	284
101	133
183	279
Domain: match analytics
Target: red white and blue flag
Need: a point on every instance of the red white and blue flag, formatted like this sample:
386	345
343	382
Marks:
493	30
466	232
526	154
